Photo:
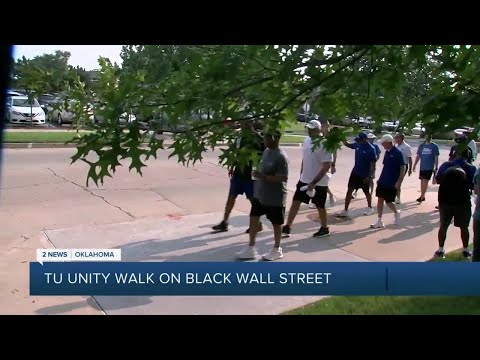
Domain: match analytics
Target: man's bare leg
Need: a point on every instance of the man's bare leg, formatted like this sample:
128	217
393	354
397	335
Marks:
292	213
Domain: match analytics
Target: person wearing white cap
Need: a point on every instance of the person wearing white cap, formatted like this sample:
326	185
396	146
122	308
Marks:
390	180
313	183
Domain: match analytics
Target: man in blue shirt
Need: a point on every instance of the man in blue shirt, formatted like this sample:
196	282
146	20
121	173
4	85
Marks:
390	180
360	178
476	218
371	139
427	154
454	199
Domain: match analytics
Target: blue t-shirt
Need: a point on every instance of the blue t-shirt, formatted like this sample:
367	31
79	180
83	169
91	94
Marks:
364	156
427	153
392	164
476	181
468	168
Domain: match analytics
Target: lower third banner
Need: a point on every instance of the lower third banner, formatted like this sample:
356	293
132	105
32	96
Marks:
254	278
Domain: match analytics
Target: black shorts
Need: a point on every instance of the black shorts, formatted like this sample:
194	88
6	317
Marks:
386	193
276	214
319	199
356	182
425	174
461	215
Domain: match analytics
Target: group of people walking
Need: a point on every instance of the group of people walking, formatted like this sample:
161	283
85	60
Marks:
266	186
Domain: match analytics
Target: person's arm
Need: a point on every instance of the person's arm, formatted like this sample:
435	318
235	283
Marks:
325	168
476	183
379	152
452	153
333	168
402	170
349	145
417	158
410	162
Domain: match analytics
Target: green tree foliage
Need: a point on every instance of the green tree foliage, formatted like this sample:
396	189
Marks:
435	84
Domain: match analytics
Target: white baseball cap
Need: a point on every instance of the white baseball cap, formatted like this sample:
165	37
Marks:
313	124
386	138
371	136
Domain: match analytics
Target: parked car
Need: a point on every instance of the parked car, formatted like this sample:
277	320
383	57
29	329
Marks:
20	110
67	116
390	125
364	123
419	130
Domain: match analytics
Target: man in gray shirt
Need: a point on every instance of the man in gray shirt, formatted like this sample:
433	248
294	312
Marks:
269	197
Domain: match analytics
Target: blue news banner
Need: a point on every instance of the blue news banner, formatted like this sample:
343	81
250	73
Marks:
254	278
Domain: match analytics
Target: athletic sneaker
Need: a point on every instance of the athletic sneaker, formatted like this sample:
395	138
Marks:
439	254
344	213
274	254
369	211
286	231
312	206
249	253
420	199
378	225
397	218
260	228
324	231
223	226
332	200
466	253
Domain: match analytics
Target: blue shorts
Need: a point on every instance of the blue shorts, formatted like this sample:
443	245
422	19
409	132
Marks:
239	186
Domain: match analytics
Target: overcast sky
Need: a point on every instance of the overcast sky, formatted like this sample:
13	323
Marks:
85	56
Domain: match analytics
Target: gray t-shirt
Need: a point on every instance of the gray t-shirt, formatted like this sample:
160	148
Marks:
273	162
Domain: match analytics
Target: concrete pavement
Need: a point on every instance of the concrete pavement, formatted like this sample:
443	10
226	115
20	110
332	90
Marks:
166	215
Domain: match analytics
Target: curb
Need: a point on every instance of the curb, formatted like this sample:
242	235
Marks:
61	145
36	145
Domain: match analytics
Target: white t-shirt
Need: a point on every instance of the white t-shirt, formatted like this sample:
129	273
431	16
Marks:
406	151
313	163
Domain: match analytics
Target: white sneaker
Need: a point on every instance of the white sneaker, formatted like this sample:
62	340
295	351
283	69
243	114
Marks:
369	211
344	213
397	201
274	254
332	200
312	206
249	253
397	218
378	225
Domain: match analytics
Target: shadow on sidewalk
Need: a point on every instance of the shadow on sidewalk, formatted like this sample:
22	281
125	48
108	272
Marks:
414	225
65	308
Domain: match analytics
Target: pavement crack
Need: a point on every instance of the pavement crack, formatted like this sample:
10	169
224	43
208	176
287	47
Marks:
91	193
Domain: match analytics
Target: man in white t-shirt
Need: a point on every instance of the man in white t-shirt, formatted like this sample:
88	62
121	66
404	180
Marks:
314	176
407	158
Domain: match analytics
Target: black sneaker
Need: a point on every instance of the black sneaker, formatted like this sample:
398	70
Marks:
286	231
322	232
439	254
260	228
420	199
466	254
223	226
